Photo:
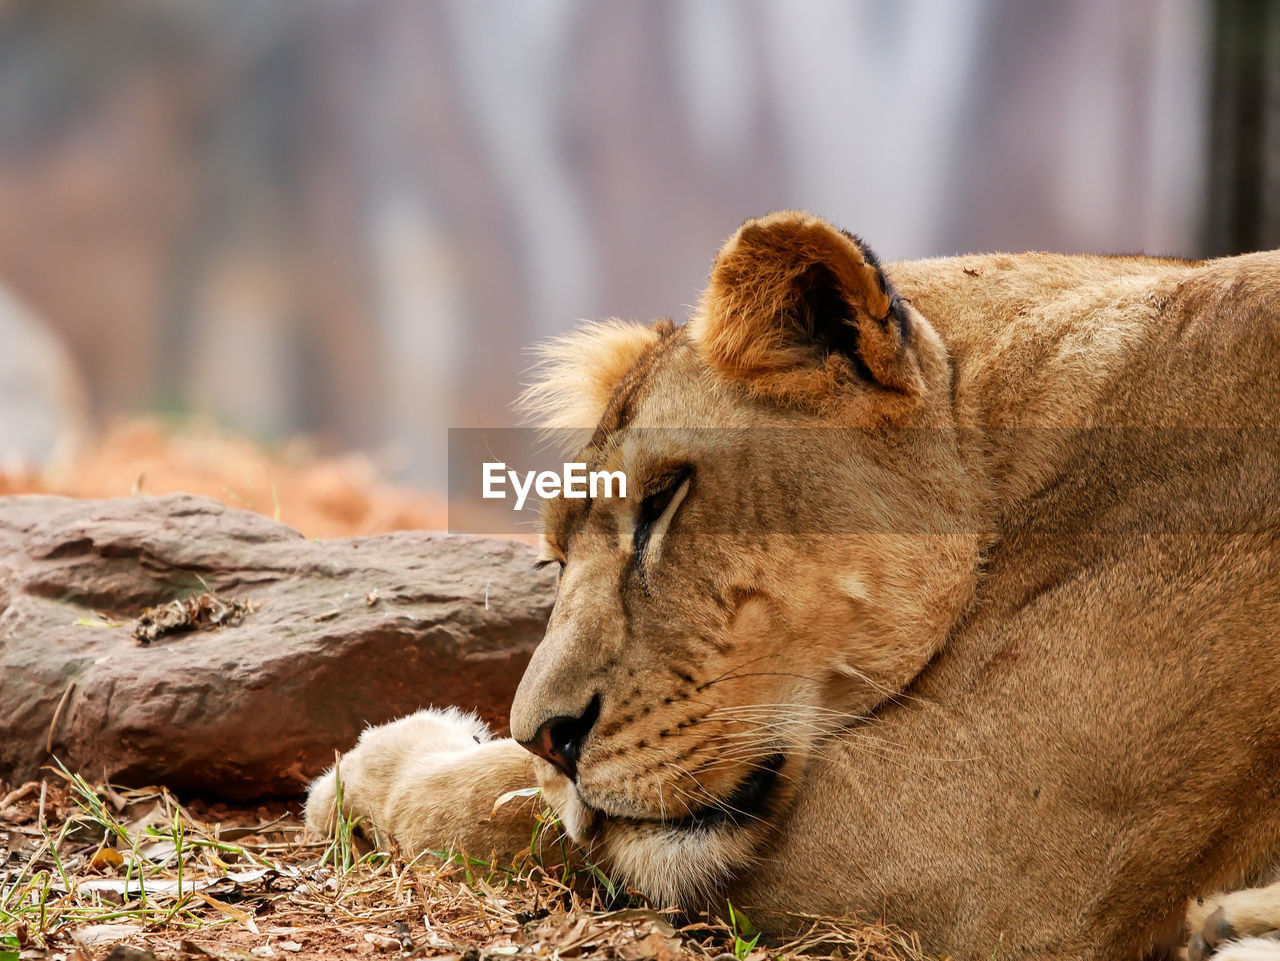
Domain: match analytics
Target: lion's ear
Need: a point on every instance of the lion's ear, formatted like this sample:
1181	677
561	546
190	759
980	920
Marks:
795	308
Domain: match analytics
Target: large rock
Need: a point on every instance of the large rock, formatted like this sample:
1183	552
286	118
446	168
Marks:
349	633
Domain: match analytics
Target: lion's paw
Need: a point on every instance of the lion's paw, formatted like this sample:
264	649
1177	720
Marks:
1236	926
370	770
433	781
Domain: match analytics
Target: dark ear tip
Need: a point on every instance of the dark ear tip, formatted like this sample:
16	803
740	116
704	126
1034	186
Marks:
899	313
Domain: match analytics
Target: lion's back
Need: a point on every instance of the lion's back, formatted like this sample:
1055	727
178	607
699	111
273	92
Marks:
1158	341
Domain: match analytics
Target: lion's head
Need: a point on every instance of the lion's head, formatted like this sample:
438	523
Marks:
798	536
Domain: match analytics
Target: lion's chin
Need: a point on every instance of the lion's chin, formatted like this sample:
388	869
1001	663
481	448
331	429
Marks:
683	861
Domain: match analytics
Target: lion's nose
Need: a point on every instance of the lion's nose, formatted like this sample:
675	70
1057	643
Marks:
559	740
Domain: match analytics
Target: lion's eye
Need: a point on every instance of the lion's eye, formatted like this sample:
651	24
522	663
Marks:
547	562
655	505
651	507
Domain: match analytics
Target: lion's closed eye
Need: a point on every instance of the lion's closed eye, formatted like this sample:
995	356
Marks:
656	511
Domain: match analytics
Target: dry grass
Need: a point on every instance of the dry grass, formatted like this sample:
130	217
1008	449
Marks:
88	868
320	496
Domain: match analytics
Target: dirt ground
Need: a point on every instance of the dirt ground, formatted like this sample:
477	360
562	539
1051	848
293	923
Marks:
91	872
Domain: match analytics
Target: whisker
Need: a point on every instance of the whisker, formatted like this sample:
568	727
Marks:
705	798
799	724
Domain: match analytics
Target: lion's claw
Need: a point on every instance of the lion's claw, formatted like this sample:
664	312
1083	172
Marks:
1217	929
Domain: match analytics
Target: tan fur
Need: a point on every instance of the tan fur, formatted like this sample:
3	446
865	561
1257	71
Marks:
576	373
953	558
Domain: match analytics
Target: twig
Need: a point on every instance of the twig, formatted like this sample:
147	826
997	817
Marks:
57	716
18	794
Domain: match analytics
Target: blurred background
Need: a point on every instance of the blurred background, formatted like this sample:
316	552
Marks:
348	220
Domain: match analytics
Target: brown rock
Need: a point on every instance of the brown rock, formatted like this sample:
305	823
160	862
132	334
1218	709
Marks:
342	634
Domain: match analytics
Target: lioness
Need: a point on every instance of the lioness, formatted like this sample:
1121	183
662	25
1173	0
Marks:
965	612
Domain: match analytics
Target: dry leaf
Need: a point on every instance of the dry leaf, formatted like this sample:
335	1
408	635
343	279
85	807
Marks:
231	911
106	858
512	795
97	622
94	934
